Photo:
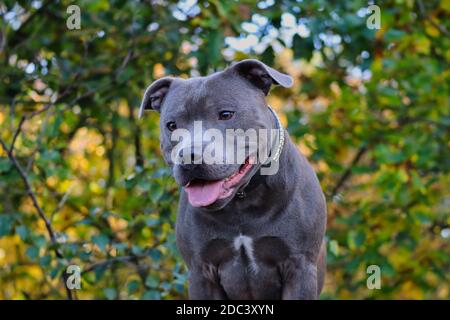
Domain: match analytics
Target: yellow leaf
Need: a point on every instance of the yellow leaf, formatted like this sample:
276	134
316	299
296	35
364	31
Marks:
158	71
445	4
431	30
410	291
422	45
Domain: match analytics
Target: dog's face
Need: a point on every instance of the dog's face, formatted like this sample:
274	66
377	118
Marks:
228	100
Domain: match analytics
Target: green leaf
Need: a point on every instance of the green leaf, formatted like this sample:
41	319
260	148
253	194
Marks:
151	295
155	254
136	250
6	224
39	240
100	272
303	47
156	192
101	241
110	293
5	165
152	281
133	286
215	39
23	232
32	253
394	34
45	260
355	239
334	247
54	272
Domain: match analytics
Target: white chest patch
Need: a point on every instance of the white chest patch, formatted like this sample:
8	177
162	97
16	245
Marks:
246	243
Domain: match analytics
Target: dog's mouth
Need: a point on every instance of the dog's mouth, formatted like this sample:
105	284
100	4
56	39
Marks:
202	193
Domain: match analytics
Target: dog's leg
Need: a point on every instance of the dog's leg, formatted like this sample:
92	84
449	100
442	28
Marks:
299	278
204	283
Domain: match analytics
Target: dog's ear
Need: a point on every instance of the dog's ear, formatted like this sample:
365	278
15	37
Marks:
154	95
261	75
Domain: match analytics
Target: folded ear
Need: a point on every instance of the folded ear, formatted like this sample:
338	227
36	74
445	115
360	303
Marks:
260	75
154	95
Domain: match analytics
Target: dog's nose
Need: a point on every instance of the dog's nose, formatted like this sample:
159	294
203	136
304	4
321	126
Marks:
190	156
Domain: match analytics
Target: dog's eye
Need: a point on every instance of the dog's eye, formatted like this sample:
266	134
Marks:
171	126
226	115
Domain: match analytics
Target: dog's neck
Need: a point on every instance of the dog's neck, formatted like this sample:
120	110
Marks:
276	150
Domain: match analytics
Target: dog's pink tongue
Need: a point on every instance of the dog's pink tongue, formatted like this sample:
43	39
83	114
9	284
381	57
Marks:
203	193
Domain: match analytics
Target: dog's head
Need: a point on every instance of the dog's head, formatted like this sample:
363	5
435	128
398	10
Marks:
197	117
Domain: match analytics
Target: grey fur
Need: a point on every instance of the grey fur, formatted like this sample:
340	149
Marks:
282	219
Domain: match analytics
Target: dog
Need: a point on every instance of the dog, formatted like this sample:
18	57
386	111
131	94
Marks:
243	234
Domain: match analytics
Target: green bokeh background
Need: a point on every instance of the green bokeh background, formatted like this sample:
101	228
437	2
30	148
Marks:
369	109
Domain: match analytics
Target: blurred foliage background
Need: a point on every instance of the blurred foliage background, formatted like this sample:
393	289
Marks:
83	182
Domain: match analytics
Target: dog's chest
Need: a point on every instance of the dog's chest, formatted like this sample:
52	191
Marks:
247	266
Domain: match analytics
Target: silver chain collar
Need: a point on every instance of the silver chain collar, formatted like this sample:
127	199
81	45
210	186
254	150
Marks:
281	138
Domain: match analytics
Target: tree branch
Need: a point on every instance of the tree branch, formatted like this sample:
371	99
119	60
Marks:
424	15
133	257
19	32
32	195
107	262
348	172
16	134
139	157
29	190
